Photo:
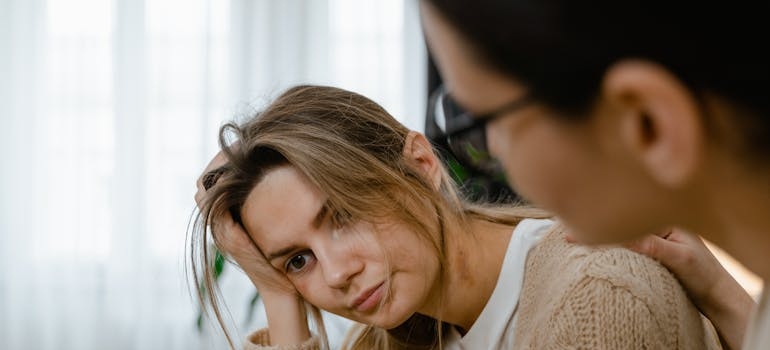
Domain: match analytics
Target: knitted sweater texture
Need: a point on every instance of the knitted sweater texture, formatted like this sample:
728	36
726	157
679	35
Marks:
577	297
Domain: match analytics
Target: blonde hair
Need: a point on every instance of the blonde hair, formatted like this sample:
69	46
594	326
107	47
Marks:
352	150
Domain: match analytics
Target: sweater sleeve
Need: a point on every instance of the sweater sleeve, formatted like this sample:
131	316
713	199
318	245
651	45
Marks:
260	340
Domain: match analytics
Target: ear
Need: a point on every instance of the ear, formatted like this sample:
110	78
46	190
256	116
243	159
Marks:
660	120
419	152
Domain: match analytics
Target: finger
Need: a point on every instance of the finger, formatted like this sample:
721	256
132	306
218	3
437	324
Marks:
683	237
200	190
665	233
644	245
233	238
661	244
215	163
669	253
199	195
223	227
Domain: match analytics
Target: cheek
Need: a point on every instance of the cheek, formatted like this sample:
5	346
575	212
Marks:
413	260
556	169
406	248
416	265
417	257
308	289
313	288
548	165
536	159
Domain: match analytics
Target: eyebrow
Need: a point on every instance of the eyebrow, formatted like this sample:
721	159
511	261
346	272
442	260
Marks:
281	253
323	211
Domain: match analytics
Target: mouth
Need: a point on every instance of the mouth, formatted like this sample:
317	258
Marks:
369	299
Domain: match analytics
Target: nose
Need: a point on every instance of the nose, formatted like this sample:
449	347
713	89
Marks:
339	266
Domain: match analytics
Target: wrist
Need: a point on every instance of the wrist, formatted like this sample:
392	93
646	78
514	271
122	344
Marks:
728	299
286	318
280	296
729	308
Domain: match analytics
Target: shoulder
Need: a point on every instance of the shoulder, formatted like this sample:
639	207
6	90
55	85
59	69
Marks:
571	287
616	266
583	268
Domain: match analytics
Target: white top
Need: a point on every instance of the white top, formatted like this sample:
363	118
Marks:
494	327
758	337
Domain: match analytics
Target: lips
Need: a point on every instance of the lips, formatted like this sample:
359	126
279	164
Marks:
369	298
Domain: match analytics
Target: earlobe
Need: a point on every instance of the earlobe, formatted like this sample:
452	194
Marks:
661	121
419	152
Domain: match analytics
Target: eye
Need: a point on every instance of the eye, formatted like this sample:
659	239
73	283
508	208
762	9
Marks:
299	262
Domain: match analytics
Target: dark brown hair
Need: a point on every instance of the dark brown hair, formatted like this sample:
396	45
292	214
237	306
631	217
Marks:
560	49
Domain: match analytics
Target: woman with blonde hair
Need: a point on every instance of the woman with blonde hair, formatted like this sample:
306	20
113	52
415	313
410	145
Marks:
327	202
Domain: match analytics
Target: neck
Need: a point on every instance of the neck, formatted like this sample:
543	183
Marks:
733	214
473	263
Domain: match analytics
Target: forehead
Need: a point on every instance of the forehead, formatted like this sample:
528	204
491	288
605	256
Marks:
281	206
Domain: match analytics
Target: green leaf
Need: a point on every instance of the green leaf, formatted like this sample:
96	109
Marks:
458	172
219	264
217	268
250	310
199	322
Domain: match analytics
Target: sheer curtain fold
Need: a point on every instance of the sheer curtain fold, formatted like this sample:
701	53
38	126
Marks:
110	108
19	99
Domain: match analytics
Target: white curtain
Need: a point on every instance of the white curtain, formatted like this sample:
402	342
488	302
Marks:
108	111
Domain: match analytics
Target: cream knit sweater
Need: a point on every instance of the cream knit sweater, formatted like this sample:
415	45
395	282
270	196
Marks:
577	297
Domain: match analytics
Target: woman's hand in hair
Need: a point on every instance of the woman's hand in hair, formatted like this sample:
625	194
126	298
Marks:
209	176
713	290
233	240
285	308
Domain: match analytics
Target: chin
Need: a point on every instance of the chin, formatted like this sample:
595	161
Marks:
391	314
387	319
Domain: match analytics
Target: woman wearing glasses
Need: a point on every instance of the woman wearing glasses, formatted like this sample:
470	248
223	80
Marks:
625	118
327	202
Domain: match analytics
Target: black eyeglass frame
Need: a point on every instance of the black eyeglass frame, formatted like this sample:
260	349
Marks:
458	123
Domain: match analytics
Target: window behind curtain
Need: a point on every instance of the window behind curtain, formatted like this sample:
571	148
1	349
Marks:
109	110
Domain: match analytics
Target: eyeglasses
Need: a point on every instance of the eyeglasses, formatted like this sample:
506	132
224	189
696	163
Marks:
466	134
